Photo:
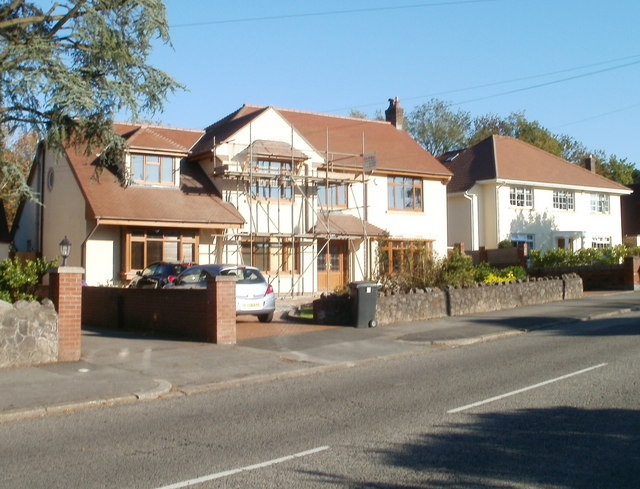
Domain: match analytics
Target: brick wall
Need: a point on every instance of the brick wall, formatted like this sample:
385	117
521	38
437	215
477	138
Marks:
204	315
65	290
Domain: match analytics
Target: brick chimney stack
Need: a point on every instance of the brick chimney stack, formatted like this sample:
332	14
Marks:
590	163
395	113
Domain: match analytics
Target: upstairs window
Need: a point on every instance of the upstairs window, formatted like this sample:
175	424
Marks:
600	203
271	180
521	197
563	200
153	169
405	193
333	195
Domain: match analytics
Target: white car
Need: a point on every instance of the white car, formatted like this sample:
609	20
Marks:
254	295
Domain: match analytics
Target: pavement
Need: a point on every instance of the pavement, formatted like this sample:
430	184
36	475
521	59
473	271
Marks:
121	368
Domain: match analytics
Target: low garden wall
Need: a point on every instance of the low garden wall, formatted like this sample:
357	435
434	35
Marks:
200	314
432	303
28	333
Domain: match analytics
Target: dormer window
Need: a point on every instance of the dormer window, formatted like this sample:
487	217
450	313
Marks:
272	180
149	169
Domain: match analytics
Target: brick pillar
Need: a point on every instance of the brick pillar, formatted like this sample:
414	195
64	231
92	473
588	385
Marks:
221	327
632	272
65	290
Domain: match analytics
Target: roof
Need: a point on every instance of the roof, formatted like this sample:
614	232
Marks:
506	158
196	202
345	225
343	139
275	149
158	138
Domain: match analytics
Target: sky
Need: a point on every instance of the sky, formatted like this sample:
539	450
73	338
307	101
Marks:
571	65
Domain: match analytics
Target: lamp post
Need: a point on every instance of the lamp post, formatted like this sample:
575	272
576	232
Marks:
65	250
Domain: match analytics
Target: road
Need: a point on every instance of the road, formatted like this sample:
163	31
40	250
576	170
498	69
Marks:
555	408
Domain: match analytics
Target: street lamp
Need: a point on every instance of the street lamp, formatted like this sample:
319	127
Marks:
65	250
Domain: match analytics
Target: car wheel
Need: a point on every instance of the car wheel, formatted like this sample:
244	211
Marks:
265	318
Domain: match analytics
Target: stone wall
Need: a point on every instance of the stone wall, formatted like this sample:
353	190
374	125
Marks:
432	303
28	333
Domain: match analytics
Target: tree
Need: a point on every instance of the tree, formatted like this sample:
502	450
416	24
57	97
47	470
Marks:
14	170
438	128
618	170
66	70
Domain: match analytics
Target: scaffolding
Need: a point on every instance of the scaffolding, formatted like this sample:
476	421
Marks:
308	223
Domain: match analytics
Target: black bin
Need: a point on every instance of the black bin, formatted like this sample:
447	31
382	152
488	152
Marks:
364	297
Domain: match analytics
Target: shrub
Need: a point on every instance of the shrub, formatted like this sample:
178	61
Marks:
582	257
19	279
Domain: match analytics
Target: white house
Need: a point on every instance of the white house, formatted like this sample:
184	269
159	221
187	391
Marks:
505	189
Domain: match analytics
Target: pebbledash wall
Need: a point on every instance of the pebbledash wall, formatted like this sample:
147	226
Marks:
434	303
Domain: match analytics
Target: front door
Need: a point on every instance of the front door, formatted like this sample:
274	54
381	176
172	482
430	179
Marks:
332	264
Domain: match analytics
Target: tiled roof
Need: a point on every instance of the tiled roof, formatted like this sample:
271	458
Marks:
344	225
226	127
275	149
342	137
194	202
157	137
506	158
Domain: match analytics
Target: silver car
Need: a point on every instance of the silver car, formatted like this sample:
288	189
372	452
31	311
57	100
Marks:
254	295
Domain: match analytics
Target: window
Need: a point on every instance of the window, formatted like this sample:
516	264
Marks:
145	246
334	195
271	181
522	240
397	256
601	242
272	255
405	193
521	197
600	203
152	169
563	200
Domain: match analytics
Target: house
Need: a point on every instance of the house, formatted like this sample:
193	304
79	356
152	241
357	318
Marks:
314	200
325	198
5	236
166	210
631	215
505	189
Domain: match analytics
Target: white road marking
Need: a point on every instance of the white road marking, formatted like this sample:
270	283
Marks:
513	393
227	473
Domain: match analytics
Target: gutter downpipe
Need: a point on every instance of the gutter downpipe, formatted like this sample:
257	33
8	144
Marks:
472	198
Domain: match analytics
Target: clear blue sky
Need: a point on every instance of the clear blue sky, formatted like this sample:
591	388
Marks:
572	65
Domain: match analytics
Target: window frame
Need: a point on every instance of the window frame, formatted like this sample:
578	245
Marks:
166	237
140	171
338	195
398	254
268	184
521	197
399	188
601	242
600	203
272	255
564	200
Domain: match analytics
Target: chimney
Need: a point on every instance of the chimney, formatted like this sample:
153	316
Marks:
590	163
395	113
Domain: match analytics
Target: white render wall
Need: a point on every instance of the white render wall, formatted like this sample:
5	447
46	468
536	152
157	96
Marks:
546	223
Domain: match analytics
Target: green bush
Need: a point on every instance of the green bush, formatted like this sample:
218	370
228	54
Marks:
19	279
582	257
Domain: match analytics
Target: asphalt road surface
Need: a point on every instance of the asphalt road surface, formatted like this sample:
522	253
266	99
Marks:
551	409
